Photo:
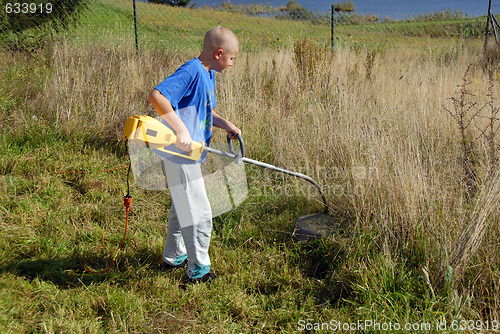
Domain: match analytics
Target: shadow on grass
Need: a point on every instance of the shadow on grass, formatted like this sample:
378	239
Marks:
323	258
77	269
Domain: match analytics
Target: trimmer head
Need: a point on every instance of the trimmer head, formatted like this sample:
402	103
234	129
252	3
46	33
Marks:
316	226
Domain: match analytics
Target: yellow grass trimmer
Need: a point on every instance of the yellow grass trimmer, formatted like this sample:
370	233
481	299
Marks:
159	137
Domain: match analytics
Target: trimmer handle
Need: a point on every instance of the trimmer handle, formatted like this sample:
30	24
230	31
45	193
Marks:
230	144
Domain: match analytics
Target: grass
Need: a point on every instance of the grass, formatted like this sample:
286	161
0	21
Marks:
164	27
182	29
370	125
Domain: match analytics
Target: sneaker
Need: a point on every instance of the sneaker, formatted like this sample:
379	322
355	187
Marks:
167	266
208	278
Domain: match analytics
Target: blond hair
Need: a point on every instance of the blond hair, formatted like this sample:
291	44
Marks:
219	37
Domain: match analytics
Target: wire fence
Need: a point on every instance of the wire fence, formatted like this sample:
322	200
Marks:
29	25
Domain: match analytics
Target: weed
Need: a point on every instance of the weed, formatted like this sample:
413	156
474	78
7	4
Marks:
491	130
369	64
464	113
491	57
308	57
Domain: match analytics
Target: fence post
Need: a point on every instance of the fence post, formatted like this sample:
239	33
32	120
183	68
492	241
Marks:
135	26
486	33
333	28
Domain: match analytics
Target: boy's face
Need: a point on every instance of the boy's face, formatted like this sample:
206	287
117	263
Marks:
225	58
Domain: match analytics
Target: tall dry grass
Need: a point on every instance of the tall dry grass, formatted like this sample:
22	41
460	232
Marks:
372	127
94	89
368	125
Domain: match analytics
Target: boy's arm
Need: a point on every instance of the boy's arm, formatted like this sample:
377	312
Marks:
164	108
223	123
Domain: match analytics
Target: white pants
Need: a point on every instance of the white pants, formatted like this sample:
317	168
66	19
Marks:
189	220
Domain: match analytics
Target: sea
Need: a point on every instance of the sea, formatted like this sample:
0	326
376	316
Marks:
392	9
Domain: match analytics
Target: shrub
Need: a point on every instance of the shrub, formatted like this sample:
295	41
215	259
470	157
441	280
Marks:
345	6
175	3
295	11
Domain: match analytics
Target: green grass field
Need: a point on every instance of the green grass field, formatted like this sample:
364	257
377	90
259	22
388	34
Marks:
183	28
112	22
370	124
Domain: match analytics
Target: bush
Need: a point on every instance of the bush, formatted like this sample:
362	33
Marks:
175	3
295	11
446	14
249	9
347	19
345	6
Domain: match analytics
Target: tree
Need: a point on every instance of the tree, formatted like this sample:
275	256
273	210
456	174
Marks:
295	11
345	6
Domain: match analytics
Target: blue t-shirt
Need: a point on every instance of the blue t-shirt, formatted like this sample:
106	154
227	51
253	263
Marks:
191	92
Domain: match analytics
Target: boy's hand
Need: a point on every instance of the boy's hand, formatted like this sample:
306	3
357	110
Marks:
226	125
232	130
184	141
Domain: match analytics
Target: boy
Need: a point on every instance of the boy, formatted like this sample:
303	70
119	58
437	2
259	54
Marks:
185	101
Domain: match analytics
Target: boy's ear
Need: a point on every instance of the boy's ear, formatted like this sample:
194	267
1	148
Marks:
218	53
